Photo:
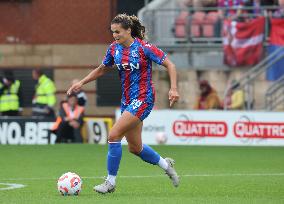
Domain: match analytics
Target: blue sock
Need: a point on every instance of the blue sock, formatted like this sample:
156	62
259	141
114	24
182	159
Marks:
149	155
113	158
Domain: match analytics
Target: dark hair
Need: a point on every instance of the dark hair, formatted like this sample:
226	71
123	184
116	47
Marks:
38	71
132	22
9	75
72	95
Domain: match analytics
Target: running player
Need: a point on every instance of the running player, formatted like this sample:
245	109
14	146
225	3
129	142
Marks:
133	58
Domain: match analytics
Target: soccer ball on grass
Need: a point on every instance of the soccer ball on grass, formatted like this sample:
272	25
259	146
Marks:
69	184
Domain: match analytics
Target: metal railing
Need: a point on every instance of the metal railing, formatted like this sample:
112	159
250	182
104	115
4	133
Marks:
160	24
247	81
274	96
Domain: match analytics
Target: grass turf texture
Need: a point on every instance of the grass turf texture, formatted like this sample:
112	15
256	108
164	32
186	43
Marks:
208	175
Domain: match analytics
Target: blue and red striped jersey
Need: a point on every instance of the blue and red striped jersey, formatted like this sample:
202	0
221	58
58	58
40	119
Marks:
134	64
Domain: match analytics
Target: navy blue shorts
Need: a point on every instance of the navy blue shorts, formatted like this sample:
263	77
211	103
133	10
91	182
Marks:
138	108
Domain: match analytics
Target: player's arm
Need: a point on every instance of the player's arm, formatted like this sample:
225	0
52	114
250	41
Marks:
93	75
173	93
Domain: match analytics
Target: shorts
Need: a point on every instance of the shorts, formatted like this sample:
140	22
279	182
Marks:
138	108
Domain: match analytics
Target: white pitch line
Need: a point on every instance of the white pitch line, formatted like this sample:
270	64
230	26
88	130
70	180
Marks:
11	186
153	176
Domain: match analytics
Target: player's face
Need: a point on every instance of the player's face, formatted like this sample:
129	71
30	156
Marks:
121	35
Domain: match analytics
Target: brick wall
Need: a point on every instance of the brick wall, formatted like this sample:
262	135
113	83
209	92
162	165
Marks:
56	21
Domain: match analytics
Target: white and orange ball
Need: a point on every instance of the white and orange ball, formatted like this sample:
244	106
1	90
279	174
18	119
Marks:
69	184
161	137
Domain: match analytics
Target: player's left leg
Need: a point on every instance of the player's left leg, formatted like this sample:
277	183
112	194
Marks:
147	154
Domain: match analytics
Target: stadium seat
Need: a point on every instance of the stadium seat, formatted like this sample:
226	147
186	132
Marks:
197	19
182	18
180	31
180	25
208	24
208	30
211	17
195	30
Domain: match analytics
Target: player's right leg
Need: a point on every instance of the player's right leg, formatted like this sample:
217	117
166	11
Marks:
147	154
126	122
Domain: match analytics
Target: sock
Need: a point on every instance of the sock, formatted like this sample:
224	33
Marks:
149	155
111	179
163	164
113	158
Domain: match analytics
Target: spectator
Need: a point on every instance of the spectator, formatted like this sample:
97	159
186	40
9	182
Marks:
184	4
209	3
230	8
10	95
81	95
44	98
208	98
269	2
268	12
69	122
197	3
256	10
235	100
258	4
279	13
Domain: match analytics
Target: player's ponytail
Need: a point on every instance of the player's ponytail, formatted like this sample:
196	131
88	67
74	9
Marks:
137	29
132	22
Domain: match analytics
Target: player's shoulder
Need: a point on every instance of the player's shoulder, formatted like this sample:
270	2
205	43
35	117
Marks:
113	44
144	43
112	47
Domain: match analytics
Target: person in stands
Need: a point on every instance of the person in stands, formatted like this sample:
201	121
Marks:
208	98
235	99
10	95
69	122
44	98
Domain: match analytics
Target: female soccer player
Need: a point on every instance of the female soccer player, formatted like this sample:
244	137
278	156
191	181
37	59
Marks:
133	58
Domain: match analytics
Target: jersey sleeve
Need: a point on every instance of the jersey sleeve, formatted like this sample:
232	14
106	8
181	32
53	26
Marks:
154	53
108	60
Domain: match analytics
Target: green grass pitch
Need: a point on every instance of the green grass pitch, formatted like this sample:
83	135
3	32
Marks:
208	175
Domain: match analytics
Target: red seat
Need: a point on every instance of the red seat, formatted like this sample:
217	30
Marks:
182	18
208	30
195	30
211	17
180	31
180	24
208	24
197	19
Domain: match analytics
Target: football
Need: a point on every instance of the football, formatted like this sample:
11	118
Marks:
161	138
69	184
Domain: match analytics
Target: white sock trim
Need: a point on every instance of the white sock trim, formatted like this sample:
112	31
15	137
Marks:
163	163
114	142
111	179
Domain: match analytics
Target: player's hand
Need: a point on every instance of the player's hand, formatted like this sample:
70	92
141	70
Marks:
75	88
173	96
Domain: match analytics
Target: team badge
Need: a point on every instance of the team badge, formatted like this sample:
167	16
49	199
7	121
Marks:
134	53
